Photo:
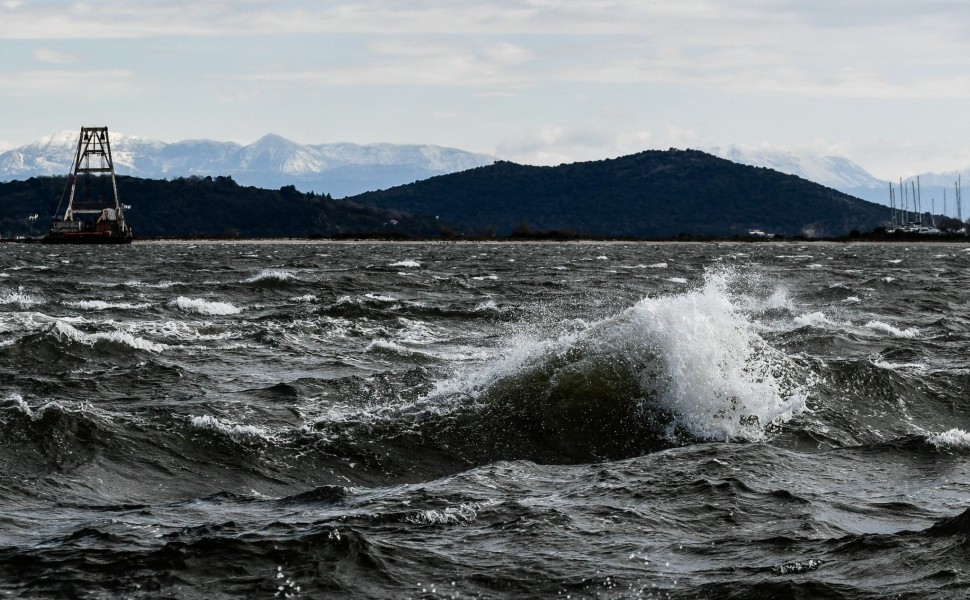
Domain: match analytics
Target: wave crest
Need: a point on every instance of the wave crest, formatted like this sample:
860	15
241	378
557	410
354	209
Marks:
205	307
675	368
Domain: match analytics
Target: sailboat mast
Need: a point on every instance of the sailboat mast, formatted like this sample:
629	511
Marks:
892	208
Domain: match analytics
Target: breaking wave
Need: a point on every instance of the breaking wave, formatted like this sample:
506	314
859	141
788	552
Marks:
677	368
102	305
272	276
910	333
205	307
952	440
232	430
65	331
406	264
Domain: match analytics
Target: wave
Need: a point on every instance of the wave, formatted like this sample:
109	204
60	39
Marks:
20	298
671	370
233	430
407	264
205	307
950	440
910	333
272	277
65	331
102	305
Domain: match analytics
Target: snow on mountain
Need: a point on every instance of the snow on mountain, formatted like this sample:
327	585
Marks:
929	192
272	161
831	171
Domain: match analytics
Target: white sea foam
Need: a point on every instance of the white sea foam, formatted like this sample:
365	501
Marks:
308	298
20	298
233	430
387	346
102	305
692	354
953	439
462	514
816	319
878	361
18	403
406	264
271	275
488	306
65	331
205	307
680	280
161	285
484	277
852	299
910	333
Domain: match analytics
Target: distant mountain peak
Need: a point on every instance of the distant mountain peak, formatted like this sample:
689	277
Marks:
339	169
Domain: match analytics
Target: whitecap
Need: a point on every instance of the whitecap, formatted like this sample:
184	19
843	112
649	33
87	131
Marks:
910	333
406	264
205	307
305	298
102	305
694	354
233	430
279	275
20	298
462	514
952	439
379	298
816	319
65	331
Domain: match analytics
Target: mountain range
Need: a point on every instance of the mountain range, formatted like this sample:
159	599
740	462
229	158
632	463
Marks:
654	194
842	174
345	169
339	169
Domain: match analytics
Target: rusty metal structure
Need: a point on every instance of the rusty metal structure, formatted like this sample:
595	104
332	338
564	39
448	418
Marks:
94	213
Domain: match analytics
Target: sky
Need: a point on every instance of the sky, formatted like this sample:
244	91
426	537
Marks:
885	83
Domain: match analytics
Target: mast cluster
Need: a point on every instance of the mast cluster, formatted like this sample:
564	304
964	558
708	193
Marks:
907	214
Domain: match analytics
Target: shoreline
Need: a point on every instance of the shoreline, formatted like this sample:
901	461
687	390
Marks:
349	240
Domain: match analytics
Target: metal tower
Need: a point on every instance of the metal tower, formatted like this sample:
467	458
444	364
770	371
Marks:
94	211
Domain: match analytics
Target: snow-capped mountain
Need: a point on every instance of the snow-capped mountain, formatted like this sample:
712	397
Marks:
934	192
340	169
835	172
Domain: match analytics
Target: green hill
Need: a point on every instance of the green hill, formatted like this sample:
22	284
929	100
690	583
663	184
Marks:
652	194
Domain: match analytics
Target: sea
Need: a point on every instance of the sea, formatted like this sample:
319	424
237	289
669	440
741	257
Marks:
485	420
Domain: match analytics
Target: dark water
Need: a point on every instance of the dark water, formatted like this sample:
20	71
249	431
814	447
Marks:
485	421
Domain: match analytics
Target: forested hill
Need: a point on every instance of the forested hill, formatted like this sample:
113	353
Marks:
652	194
206	206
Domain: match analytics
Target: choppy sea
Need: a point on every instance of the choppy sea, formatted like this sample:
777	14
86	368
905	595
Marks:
508	420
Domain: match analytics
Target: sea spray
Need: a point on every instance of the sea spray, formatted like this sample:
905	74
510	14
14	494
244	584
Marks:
691	364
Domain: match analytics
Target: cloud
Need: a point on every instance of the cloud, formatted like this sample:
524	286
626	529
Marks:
47	55
59	80
556	144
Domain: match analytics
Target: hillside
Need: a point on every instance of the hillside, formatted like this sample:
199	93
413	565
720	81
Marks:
205	206
650	194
